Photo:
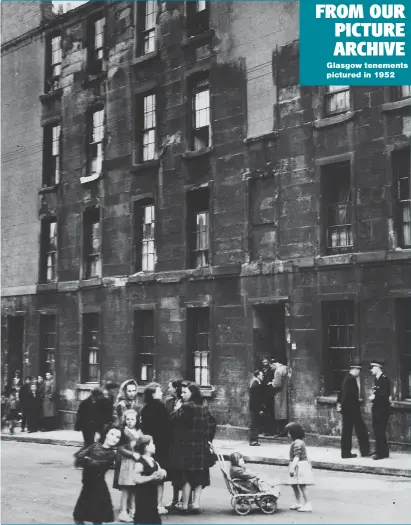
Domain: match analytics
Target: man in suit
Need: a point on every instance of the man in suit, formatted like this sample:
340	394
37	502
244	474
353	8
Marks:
348	403
256	406
381	402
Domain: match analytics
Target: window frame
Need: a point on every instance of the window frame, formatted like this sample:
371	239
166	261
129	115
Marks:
400	203
45	351
52	80
397	93
140	126
85	375
141	27
90	256
197	21
139	362
330	95
194	209
51	161
195	351
139	207
195	133
95	144
94	61
45	250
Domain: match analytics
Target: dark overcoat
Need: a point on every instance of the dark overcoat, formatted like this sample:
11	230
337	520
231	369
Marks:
257	394
349	397
93	416
193	429
155	423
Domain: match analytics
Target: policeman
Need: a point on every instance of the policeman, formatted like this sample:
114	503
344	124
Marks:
381	401
348	403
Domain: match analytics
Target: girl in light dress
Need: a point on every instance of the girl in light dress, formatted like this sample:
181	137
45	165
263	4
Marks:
131	435
300	470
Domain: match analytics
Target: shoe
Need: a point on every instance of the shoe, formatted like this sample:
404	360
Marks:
305	508
162	510
125	517
296	506
131	514
376	456
348	456
255	444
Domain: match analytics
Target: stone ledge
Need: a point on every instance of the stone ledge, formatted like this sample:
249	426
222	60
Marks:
148	165
197	39
398	104
187	155
272	135
90	283
56	93
333	260
68	286
145	58
331	121
47	287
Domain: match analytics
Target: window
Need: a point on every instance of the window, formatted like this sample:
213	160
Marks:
91	348
263	230
48	344
197	17
337	99
198	226
51	155
337	208
54	59
144	345
146	127
96	136
198	331
144	241
400	92
146	26
401	173
96	45
201	115
340	348
92	243
48	270
404	343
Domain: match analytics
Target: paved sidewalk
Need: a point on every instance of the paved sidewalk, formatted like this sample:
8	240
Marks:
327	458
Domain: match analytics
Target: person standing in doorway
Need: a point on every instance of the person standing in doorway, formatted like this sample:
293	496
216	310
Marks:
268	418
381	402
280	387
348	403
23	395
49	402
40	397
33	409
256	406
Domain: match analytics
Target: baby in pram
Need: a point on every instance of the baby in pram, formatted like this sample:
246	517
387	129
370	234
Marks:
248	480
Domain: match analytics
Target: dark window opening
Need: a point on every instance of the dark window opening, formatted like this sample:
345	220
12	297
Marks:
92	243
144	345
54	59
337	100
48	256
198	15
269	333
198	227
144	238
198	343
95	142
337	209
91	348
51	155
401	173
48	344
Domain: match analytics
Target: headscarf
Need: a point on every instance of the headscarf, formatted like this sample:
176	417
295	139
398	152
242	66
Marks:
121	396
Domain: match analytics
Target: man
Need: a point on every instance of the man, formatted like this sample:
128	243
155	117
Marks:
92	416
256	406
268	418
49	402
381	401
126	399
348	403
40	397
23	396
280	387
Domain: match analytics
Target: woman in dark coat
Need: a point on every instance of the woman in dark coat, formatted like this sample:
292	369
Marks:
155	423
33	404
174	390
190	456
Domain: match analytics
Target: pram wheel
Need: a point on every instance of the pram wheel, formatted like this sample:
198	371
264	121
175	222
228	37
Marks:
242	506
233	501
268	504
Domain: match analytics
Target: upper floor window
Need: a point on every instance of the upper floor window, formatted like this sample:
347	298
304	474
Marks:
198	226
197	17
337	207
96	136
90	369
401	173
92	243
198	334
146	26
144	241
96	45
144	345
337	100
201	130
146	127
48	255
400	92
51	155
263	229
54	59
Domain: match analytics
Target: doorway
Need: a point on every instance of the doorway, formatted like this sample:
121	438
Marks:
269	340
15	331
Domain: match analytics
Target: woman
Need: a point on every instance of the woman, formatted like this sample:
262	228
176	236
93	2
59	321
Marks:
174	389
154	422
126	399
190	456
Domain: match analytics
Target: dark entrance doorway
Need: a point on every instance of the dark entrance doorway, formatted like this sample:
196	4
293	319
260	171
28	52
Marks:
15	332
269	333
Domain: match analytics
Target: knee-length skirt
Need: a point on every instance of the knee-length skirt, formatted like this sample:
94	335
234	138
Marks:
303	474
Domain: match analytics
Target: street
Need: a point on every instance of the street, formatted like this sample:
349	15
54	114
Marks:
40	485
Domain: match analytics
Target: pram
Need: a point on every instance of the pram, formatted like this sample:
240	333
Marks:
242	500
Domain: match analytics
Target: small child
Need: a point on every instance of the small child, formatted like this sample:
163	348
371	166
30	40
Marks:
147	474
12	411
94	503
251	482
300	470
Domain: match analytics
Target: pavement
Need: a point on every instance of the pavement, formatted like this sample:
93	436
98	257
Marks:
269	453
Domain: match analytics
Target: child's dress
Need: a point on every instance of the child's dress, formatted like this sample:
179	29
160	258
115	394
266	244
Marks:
146	497
94	503
303	474
127	460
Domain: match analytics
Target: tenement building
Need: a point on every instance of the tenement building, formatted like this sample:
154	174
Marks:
176	205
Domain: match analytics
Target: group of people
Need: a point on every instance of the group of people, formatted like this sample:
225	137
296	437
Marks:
30	402
268	400
149	445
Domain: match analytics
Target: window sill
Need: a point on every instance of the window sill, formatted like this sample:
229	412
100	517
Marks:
336	260
194	154
90	178
56	93
68	286
145	58
331	121
90	283
272	135
398	104
49	189
326	400
47	287
205	36
149	164
142	277
402	405
208	392
87	386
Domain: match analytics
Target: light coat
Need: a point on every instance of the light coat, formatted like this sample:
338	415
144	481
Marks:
49	400
280	385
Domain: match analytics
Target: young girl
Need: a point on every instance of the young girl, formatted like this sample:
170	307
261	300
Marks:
125	464
250	481
300	470
147	475
94	503
12	411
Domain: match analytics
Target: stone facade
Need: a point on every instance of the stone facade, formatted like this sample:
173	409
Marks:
270	279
